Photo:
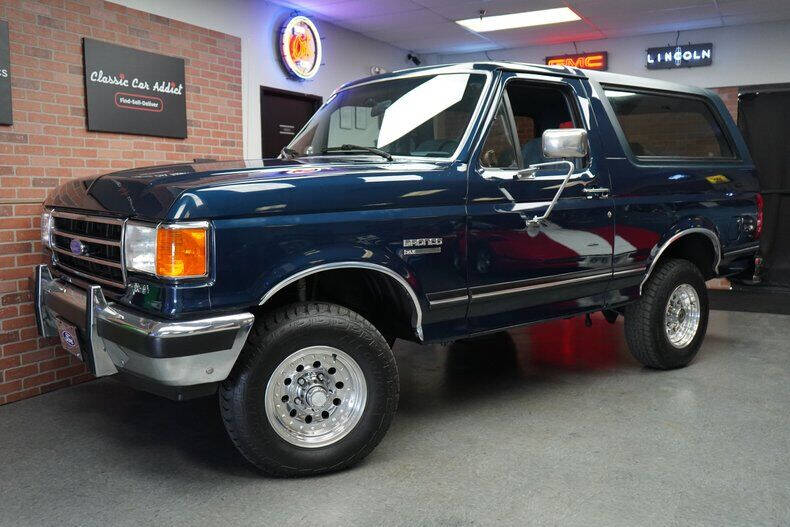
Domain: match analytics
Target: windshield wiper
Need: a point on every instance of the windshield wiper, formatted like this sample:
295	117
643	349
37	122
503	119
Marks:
289	153
351	148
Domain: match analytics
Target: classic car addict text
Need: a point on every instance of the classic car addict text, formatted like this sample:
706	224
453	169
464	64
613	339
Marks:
120	80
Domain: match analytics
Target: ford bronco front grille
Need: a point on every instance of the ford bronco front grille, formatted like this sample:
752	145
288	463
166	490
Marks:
89	247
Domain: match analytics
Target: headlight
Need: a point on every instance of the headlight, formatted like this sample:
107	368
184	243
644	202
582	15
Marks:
139	246
46	228
167	251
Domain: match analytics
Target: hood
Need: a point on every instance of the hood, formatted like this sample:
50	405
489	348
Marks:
207	190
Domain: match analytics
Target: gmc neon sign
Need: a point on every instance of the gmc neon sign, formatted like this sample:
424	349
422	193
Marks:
597	60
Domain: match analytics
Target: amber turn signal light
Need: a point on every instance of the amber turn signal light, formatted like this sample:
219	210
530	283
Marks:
181	253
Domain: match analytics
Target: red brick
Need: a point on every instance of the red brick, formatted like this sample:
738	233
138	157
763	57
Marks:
20	372
15	298
71	371
25	394
9	336
54	364
15	348
83	377
9	312
18	322
38	355
48	144
38	380
9	387
9	362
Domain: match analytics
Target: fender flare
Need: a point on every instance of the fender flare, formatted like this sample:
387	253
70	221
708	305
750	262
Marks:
659	250
416	319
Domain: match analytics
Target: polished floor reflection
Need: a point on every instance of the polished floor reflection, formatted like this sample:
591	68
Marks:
552	424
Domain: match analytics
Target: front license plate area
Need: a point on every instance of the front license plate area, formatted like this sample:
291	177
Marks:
69	337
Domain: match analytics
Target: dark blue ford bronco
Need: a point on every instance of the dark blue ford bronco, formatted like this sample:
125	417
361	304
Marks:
430	205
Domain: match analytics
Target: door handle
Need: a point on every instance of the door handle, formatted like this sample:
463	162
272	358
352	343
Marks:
596	191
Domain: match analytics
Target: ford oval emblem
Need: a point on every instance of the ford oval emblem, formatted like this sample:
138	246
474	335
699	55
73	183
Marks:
77	247
68	339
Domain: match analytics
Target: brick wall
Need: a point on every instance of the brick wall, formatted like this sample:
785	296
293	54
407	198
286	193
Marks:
729	95
48	144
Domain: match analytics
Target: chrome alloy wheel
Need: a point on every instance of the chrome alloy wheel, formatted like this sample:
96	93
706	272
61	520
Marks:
316	396
681	317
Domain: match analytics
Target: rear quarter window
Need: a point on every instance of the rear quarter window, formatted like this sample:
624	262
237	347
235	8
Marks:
658	125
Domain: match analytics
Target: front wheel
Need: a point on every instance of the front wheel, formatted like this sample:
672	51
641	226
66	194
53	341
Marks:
665	327
315	390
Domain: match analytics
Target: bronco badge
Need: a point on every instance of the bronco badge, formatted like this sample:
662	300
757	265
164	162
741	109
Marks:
422	246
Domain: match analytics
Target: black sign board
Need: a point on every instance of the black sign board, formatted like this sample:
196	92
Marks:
5	76
134	92
688	56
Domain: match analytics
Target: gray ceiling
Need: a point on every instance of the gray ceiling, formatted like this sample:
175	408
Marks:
426	26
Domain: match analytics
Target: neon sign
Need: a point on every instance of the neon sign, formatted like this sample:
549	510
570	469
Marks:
688	56
598	60
300	47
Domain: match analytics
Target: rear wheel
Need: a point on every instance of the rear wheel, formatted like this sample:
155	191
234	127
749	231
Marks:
665	327
315	390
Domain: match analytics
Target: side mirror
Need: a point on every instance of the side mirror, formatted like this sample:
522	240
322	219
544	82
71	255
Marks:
565	142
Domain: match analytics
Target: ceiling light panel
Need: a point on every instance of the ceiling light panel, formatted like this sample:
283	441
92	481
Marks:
516	20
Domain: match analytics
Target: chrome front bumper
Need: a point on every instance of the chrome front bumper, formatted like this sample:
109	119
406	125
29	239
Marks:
115	339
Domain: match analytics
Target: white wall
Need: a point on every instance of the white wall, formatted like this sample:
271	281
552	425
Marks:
347	55
742	55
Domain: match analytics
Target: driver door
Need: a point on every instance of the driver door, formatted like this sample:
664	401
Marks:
519	274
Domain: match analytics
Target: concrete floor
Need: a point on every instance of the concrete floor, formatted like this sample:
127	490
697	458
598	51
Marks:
550	425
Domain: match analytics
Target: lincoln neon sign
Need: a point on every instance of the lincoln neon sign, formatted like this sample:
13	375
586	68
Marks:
688	56
598	60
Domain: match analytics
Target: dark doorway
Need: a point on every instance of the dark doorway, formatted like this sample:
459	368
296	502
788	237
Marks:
283	114
764	119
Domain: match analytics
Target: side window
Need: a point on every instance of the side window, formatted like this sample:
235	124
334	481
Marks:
498	149
668	126
535	110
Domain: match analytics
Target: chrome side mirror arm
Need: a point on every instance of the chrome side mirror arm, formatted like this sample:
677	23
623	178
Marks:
530	174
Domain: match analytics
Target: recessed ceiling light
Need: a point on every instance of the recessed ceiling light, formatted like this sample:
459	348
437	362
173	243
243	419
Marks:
514	20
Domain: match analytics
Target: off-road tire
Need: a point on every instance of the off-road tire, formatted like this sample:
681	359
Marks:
273	338
644	319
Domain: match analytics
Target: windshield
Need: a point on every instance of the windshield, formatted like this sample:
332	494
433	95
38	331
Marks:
422	116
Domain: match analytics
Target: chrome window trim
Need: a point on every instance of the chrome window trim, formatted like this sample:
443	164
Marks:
417	319
701	230
546	78
469	127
